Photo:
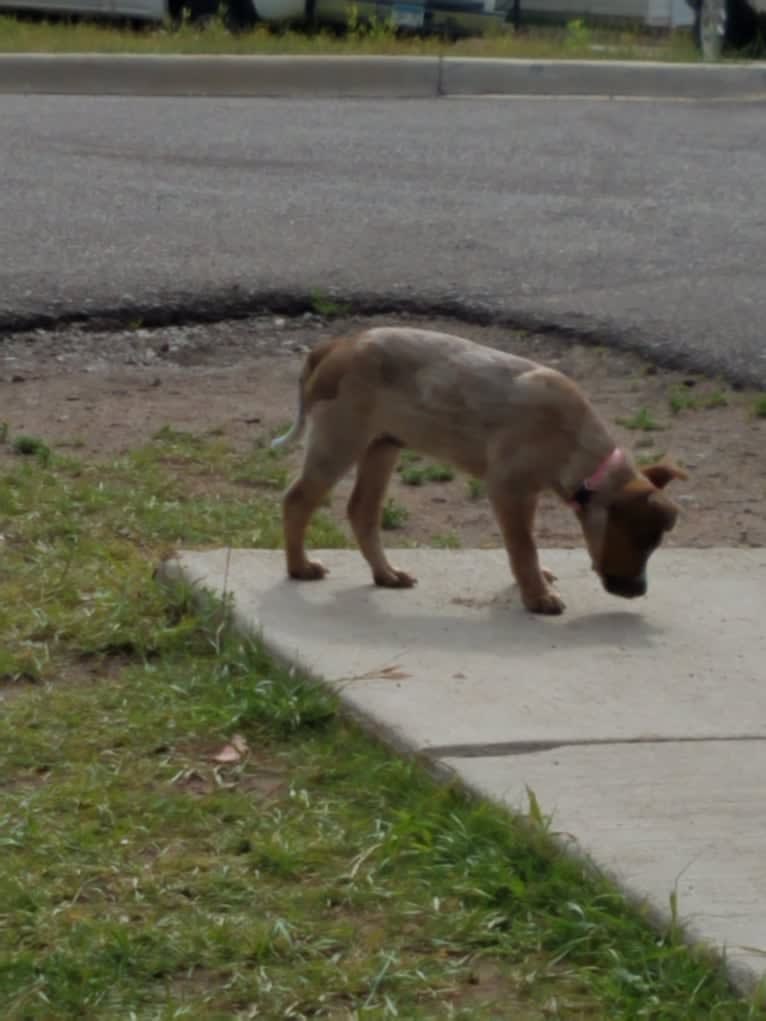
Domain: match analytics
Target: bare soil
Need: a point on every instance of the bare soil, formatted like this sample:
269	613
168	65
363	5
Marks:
101	393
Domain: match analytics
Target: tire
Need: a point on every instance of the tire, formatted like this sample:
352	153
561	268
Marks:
240	15
724	23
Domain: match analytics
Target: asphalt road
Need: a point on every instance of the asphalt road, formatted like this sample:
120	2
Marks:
639	222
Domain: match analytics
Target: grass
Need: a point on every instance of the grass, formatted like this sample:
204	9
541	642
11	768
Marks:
573	40
326	307
477	489
415	472
445	540
394	515
31	446
642	420
313	874
759	406
683	398
80	527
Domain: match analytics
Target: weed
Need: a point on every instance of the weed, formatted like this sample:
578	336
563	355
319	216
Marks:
370	27
408	457
415	474
445	540
3	432
715	399
412	475
535	813
440	473
683	398
394	515
759	406
477	489
578	35
643	420
327	307
31	446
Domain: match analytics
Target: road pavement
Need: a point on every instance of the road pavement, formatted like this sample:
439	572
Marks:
639	223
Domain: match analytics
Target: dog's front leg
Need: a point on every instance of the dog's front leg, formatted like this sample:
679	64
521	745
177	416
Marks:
364	510
515	514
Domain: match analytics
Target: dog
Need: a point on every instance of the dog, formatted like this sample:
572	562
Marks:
521	427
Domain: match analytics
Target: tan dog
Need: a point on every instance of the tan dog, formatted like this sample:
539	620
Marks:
520	426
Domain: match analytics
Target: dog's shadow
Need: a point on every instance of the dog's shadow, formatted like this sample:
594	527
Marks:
360	615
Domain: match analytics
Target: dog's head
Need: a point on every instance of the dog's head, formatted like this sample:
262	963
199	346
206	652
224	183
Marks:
622	533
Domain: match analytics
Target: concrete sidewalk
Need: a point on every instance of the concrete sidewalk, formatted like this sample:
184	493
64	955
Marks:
640	726
372	77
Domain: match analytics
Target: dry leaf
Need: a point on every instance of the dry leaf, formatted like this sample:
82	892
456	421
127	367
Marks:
389	673
235	751
394	673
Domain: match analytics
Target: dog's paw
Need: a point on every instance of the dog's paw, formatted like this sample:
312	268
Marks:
548	575
548	602
312	570
393	578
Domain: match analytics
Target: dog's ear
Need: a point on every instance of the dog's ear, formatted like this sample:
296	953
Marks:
667	509
660	474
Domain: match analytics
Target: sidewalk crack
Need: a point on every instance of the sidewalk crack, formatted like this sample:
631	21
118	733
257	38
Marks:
511	748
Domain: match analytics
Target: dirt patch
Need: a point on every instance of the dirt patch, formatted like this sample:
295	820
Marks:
98	394
202	772
264	784
83	670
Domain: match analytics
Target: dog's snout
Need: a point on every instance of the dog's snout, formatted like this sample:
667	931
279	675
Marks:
628	588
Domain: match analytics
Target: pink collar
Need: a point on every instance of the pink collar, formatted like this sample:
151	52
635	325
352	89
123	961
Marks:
591	485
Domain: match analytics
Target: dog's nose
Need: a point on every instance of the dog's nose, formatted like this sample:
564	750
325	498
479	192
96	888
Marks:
628	588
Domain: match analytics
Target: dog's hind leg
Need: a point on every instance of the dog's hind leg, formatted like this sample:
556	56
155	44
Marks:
364	510
324	463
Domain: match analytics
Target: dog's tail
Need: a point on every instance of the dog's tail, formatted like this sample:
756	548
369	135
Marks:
296	429
313	359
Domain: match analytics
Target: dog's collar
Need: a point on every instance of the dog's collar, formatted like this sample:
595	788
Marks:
584	492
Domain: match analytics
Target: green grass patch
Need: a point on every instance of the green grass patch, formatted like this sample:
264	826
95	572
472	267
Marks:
445	540
717	398
642	420
759	406
394	515
683	398
418	473
81	540
31	446
377	37
477	489
327	307
309	874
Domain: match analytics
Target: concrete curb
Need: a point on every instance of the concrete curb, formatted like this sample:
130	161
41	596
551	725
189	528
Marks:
611	78
123	75
371	77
